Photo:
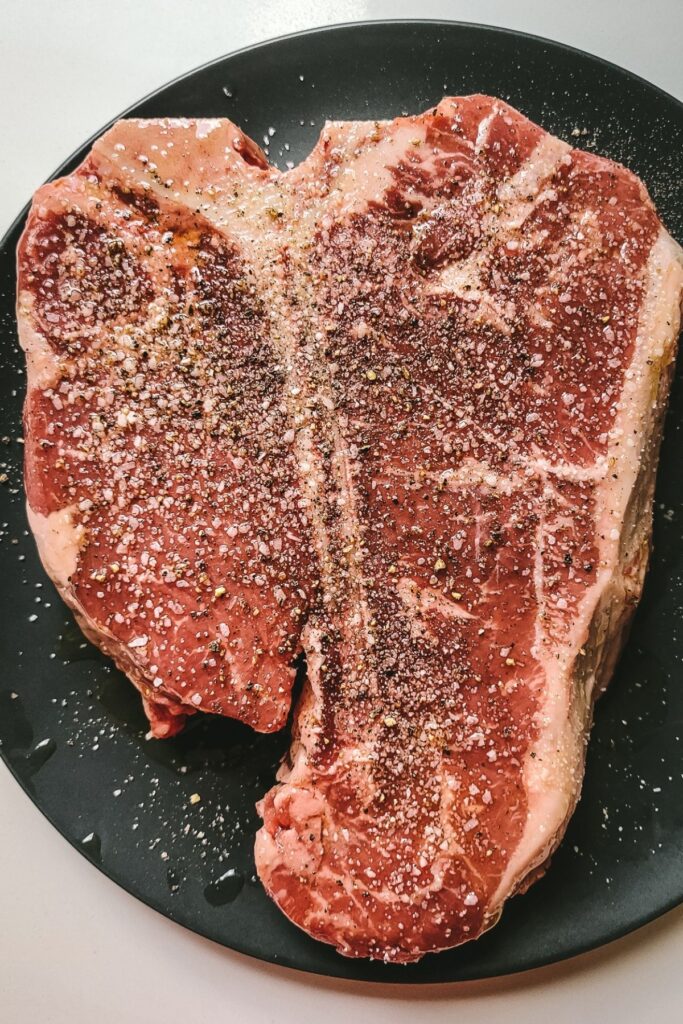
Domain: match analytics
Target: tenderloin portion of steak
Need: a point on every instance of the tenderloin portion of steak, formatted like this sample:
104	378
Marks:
500	315
161	485
398	408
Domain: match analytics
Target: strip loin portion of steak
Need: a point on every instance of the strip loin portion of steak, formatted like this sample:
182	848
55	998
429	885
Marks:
400	408
500	315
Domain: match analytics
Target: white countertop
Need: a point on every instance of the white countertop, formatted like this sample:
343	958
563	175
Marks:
74	948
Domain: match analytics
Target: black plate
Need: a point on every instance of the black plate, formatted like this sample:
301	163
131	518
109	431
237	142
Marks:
71	727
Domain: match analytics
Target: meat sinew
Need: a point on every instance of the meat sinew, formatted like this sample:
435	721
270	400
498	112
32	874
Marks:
404	402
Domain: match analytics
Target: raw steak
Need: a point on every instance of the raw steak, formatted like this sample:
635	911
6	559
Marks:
161	484
464	332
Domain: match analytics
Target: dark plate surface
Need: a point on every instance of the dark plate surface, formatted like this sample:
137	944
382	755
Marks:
71	726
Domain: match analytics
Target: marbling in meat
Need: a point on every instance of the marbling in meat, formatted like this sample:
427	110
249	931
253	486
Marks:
398	408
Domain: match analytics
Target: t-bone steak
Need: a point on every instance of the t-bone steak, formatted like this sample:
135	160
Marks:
399	409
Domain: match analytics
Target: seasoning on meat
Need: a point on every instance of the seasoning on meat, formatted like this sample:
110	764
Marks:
398	408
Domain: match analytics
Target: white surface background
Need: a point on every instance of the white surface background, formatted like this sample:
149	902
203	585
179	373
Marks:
75	949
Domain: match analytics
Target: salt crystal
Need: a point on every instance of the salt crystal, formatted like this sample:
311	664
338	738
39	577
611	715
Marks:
139	641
